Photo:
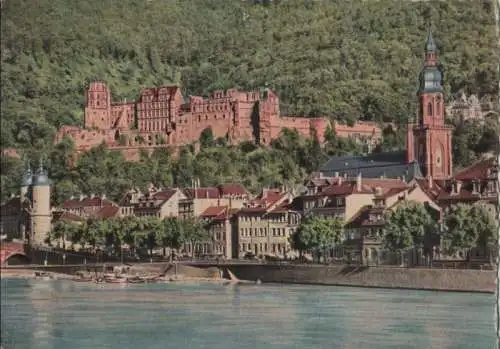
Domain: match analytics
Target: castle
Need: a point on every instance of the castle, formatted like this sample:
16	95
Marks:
162	117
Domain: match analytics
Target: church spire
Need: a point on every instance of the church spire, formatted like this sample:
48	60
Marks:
430	46
430	50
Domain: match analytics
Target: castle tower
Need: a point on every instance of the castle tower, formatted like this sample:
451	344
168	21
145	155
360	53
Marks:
98	106
429	139
41	213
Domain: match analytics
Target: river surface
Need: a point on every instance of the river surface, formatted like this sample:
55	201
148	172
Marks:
67	315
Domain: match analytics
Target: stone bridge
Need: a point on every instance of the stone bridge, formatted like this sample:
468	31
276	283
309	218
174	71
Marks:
12	253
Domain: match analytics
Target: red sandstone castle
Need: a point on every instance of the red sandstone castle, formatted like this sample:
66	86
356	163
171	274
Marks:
162	117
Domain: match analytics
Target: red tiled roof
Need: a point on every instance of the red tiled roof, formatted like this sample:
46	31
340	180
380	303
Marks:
213	211
362	217
95	201
65	216
202	193
216	213
349	186
232	189
164	195
254	209
478	170
108	212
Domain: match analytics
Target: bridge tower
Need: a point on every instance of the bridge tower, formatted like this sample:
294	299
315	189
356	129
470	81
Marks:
41	215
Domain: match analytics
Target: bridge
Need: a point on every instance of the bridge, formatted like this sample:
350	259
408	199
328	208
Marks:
13	253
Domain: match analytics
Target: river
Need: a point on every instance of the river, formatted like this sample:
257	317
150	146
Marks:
63	314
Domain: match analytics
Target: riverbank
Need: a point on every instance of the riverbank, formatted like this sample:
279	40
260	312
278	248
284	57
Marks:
454	280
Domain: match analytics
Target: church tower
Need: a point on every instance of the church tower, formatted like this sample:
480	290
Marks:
429	139
41	213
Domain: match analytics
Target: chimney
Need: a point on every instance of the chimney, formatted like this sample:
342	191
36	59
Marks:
431	181
359	182
82	197
12	195
71	197
336	174
339	180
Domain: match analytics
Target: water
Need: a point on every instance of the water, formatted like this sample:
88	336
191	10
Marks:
62	314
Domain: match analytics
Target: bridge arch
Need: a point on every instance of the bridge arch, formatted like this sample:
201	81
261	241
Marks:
15	258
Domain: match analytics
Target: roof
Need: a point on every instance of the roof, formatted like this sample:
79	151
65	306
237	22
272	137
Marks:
164	195
216	213
232	189
65	216
362	217
108	212
478	170
222	190
92	201
430	45
388	187
375	165
202	193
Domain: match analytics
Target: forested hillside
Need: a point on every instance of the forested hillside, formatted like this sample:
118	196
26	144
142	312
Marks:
344	59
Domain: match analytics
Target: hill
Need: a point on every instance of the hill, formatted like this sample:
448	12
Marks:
346	60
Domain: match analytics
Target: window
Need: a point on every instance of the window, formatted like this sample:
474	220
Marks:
429	109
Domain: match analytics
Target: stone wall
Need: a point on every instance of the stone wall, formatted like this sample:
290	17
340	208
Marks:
384	277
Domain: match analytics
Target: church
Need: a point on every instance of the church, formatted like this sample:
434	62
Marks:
427	160
428	152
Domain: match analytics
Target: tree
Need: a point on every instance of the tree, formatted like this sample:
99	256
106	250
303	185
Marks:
207	138
146	232
317	234
409	225
63	231
194	233
467	226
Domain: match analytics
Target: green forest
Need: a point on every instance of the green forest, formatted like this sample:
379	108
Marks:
345	60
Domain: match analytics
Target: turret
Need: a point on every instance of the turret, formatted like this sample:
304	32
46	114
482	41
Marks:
26	182
41	212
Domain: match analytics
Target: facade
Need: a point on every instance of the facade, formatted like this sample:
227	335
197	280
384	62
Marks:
217	220
470	107
265	224
162	117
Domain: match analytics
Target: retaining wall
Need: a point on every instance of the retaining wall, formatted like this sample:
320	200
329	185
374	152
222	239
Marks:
383	277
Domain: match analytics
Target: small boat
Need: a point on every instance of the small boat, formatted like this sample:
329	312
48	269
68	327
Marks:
115	281
135	281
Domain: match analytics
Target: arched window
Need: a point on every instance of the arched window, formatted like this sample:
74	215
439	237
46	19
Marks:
429	109
438	106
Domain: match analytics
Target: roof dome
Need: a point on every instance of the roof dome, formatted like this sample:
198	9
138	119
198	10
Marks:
41	177
27	179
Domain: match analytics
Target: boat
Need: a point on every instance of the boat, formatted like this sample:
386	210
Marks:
135	281
115	281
